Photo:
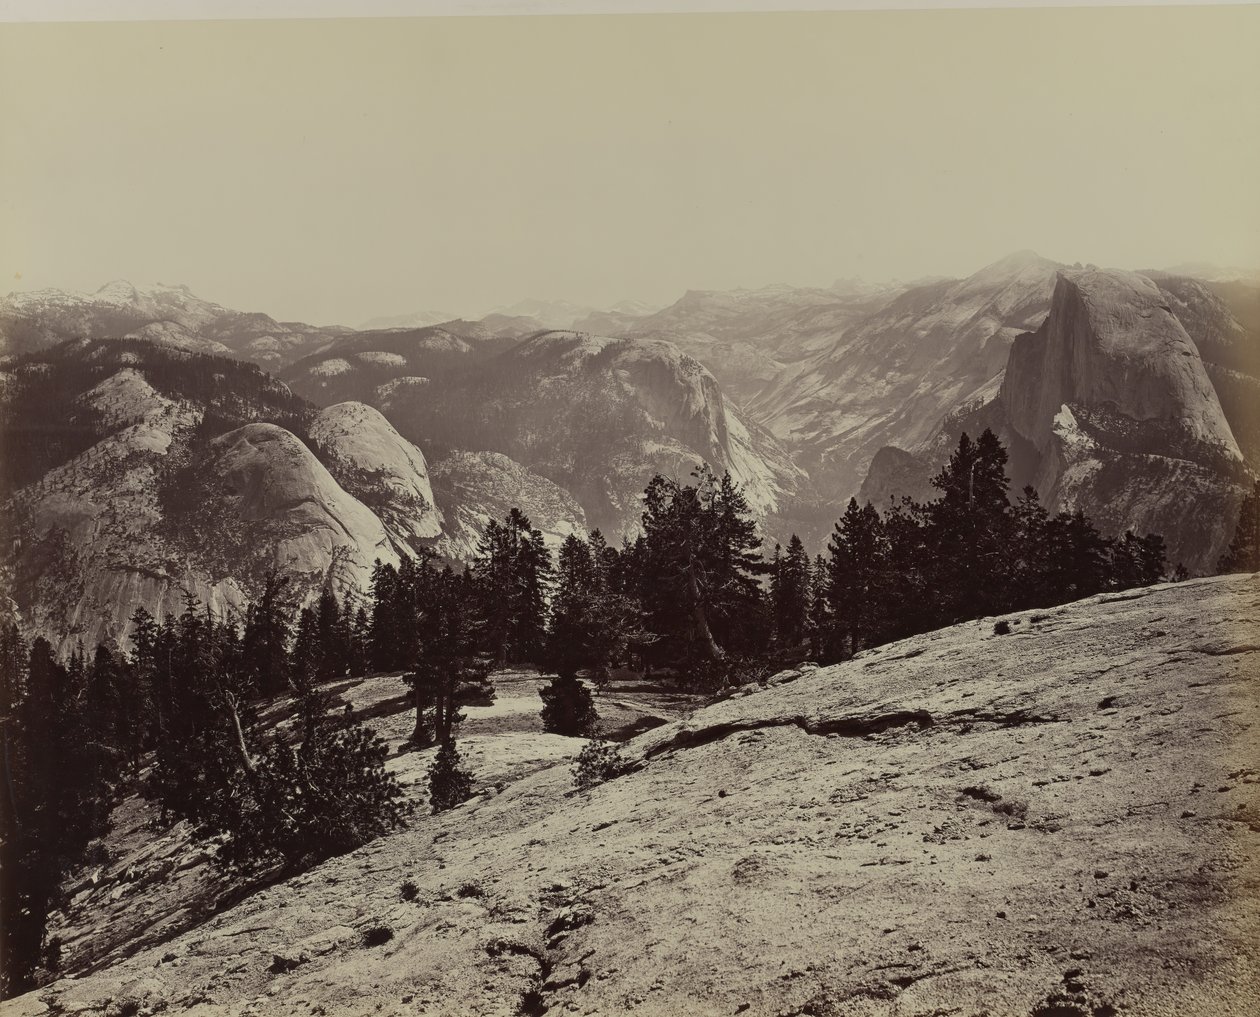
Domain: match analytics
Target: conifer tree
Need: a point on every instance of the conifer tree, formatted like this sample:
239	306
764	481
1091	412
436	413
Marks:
1030	552
819	608
701	565
855	570
449	784
568	708
448	631
969	531
266	640
903	591
514	571
790	594
1243	554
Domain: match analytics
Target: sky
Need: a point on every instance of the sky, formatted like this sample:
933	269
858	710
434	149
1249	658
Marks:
332	171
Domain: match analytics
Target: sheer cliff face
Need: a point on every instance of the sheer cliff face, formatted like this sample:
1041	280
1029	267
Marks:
1112	395
1112	344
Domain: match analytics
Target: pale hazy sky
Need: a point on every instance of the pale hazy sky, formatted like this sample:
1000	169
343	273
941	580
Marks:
330	171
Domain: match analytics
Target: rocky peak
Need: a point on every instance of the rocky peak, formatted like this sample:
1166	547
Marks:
384	469
1111	341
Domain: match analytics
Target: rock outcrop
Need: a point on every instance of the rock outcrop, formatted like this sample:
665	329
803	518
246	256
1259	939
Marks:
271	485
382	469
1059	821
151	502
476	487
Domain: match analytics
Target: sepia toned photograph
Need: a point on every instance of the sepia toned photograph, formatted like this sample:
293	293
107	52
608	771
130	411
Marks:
566	508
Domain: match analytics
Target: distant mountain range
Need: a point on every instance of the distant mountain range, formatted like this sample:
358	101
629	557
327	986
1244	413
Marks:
142	458
171	315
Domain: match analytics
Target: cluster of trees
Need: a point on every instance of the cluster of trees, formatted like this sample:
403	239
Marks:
968	553
184	698
694	588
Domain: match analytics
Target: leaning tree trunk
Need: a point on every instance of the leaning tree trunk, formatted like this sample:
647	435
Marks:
242	751
699	621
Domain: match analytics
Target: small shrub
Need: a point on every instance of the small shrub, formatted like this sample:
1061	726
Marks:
377	935
598	762
52	955
97	854
533	1004
470	890
1002	628
410	891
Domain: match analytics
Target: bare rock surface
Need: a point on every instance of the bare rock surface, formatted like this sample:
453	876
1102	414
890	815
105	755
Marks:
475	487
1063	820
358	437
273	483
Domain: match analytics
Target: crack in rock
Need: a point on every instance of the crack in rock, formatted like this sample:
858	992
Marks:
847	727
844	727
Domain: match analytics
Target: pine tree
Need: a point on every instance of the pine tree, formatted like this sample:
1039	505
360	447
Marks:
1243	554
299	805
790	593
1031	549
855	569
969	530
568	708
448	631
390	615
819	608
701	566
903	590
266	641
514	571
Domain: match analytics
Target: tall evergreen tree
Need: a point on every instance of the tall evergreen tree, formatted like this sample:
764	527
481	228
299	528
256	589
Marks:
1243	554
819	608
266	640
514	571
855	570
448	632
969	529
701	565
790	594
